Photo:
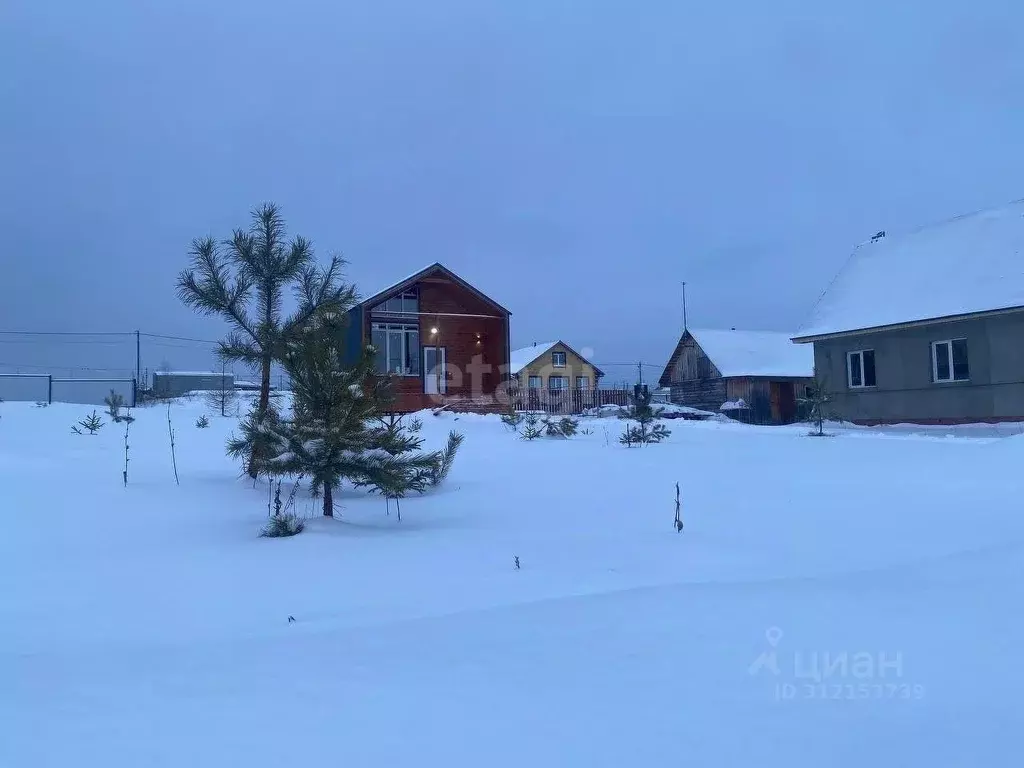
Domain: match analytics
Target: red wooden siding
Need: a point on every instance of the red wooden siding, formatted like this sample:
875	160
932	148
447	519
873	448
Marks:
476	347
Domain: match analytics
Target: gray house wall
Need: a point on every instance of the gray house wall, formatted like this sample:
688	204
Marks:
904	388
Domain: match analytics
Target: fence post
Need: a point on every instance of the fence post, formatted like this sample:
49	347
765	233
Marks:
135	391
49	389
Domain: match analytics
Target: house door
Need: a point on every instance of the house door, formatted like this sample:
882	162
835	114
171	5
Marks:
783	397
434	371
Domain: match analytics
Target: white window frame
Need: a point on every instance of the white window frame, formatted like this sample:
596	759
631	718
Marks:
563	379
407	330
859	355
949	359
555	357
582	382
410	297
539	382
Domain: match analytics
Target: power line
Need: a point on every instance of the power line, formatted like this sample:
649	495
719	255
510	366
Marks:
65	333
177	338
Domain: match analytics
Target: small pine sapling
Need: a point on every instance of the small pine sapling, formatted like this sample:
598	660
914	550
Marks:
512	419
816	405
415	425
114	402
202	422
90	423
282	526
647	430
531	429
552	427
569	426
223	401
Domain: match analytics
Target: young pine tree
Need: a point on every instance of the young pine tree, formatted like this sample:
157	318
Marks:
815	405
244	279
646	430
335	432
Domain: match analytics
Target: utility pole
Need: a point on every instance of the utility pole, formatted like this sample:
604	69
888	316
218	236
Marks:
138	357
684	306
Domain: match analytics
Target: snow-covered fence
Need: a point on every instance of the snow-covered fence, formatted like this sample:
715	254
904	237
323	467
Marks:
567	401
44	388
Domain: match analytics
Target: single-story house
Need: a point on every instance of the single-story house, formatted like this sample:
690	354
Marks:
444	340
757	375
928	327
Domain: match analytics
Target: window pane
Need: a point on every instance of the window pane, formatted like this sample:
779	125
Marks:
961	371
853	360
557	382
558	359
396	357
412	338
942	361
582	382
380	341
410	303
535	382
868	357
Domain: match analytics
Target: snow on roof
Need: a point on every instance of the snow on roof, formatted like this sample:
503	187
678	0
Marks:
755	353
520	358
435	265
972	263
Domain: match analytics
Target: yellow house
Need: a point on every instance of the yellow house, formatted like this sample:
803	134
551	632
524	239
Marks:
552	365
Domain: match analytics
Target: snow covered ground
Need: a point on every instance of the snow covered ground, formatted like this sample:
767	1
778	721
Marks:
148	625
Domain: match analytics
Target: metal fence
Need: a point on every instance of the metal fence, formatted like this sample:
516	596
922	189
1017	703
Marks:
45	388
568	401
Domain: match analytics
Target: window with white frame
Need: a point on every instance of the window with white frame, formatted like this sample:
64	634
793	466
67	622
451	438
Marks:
405	303
534	382
558	382
398	348
582	382
860	368
949	360
558	359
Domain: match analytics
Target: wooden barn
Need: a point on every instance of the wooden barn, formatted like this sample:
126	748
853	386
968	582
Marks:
755	376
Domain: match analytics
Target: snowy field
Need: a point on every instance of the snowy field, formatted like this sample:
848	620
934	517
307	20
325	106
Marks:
843	601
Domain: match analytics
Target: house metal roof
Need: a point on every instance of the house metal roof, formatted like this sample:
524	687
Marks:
767	354
966	265
522	357
416	276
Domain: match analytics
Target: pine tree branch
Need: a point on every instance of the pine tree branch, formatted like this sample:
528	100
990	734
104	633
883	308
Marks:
237	349
207	286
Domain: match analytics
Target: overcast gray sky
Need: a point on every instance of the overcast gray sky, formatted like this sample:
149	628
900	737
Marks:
577	160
